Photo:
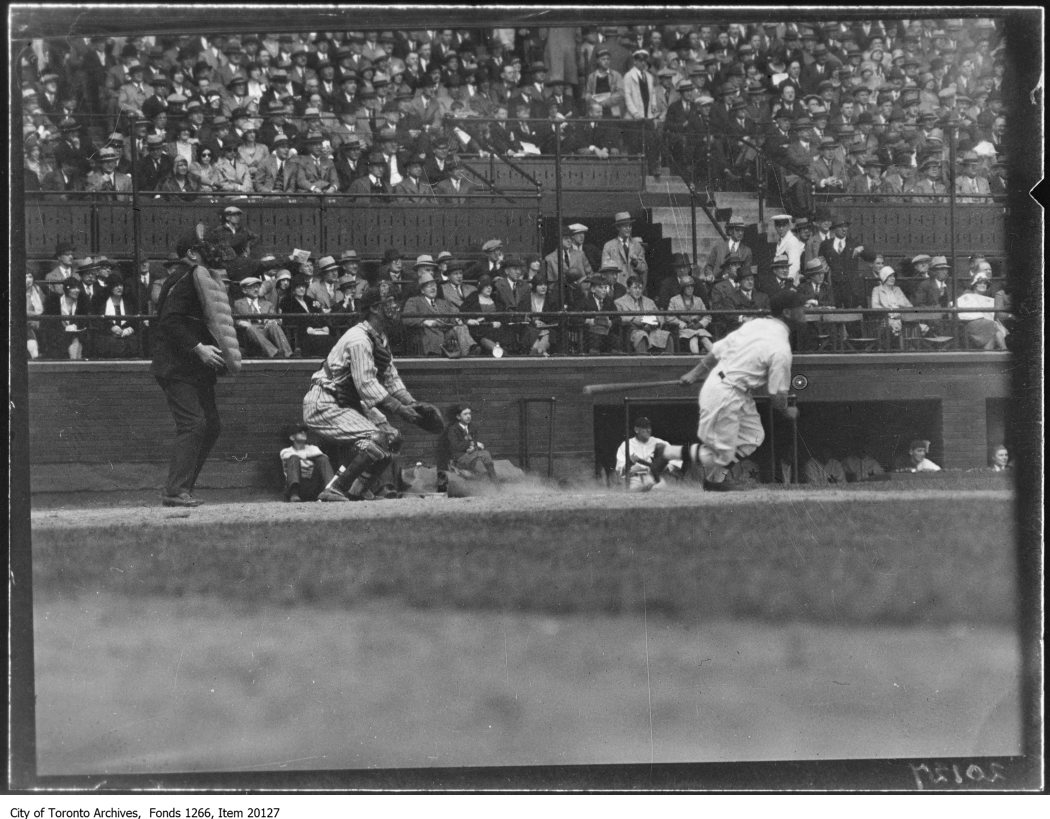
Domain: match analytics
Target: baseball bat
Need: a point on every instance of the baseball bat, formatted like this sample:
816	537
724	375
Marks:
627	386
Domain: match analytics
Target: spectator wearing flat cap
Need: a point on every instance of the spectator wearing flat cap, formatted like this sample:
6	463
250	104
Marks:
605	85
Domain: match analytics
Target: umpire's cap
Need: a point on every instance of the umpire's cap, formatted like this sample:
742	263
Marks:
784	300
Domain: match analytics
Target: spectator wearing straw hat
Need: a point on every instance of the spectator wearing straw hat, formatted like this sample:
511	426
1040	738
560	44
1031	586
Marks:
932	291
107	179
928	188
815	290
261	334
625	252
434	323
323	284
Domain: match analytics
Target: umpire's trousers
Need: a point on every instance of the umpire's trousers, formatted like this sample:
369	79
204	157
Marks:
197	428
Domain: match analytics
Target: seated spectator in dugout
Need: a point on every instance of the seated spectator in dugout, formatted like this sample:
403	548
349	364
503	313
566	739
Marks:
645	333
917	460
863	466
465	451
688	316
643	444
822	470
1001	459
307	469
261	334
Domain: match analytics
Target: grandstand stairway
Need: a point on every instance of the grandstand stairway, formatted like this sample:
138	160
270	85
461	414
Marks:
669	202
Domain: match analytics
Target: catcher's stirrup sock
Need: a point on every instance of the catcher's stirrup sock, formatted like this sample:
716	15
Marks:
339	482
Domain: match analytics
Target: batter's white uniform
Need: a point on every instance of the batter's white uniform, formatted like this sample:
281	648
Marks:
353	358
755	355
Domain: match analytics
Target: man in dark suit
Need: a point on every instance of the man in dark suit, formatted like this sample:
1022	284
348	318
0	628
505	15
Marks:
601	333
456	188
840	252
186	360
512	294
371	187
153	168
66	180
778	279
349	164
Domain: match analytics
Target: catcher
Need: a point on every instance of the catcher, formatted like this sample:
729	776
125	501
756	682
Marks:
355	390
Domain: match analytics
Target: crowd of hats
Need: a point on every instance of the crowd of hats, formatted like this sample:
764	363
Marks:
903	61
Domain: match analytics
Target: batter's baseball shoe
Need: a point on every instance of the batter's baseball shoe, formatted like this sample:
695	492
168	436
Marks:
181	499
332	496
659	462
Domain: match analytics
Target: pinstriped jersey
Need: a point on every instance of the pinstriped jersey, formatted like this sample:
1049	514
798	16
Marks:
353	361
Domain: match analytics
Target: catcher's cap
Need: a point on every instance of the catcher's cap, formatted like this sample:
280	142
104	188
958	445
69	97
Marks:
370	298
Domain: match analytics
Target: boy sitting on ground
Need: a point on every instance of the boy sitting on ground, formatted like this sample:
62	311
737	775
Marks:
307	469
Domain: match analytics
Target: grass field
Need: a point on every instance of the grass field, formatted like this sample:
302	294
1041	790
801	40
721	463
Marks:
153	684
524	629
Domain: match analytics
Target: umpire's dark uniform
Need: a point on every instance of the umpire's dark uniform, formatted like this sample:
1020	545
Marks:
188	383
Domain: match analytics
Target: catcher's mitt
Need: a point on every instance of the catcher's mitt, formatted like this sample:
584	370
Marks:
429	418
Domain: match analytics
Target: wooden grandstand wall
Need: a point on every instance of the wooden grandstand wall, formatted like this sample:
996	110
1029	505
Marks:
107	228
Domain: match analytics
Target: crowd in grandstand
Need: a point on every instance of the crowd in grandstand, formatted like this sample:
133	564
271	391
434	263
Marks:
595	303
859	108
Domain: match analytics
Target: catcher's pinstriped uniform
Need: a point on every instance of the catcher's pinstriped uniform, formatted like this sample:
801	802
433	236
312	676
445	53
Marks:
360	366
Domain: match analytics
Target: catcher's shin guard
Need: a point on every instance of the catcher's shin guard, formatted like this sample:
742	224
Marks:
357	476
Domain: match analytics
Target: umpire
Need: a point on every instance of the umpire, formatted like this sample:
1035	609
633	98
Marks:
351	395
193	341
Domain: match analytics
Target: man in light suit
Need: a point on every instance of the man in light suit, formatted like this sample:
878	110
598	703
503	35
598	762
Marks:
264	334
727	247
456	188
438	330
454	291
108	179
276	173
314	173
574	263
639	91
625	252
322	288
